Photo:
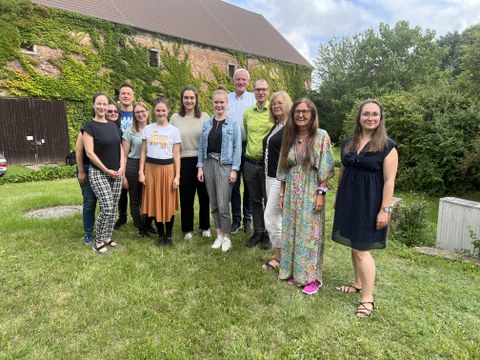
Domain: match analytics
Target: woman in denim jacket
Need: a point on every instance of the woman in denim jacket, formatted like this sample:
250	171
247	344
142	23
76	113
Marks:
219	156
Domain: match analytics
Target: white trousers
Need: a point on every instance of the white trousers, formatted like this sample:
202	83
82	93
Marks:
273	213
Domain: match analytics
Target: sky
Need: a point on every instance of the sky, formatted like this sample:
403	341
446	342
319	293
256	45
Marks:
307	23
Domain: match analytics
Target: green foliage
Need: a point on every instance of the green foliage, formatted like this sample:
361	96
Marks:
97	55
372	64
409	224
475	240
429	91
14	19
45	173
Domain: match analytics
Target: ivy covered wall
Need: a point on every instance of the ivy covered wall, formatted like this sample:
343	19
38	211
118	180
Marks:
86	55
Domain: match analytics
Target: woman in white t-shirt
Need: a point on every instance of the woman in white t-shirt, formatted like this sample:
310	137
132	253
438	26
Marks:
160	171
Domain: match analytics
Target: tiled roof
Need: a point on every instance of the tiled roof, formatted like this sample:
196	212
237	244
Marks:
210	22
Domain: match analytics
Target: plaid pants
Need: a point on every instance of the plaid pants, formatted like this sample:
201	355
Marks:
107	191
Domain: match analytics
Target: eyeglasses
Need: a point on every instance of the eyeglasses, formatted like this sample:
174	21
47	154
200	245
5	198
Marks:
112	111
303	112
367	114
140	112
261	90
280	104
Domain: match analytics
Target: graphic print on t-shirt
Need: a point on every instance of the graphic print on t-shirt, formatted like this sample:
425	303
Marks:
158	140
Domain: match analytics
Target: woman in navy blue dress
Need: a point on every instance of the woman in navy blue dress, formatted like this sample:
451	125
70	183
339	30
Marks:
365	189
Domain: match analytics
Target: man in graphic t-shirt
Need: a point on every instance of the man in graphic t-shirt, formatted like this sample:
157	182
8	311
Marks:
126	96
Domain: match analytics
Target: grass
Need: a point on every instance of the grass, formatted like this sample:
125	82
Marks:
61	300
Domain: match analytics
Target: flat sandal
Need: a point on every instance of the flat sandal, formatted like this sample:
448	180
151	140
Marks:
363	311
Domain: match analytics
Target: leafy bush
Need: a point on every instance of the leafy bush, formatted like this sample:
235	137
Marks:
436	130
475	241
47	172
409	224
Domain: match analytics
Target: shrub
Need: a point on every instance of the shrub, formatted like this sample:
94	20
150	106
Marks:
47	172
409	224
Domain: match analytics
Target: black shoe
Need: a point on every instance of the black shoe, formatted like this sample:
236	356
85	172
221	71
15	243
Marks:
254	240
235	226
168	241
119	223
247	226
161	240
266	244
144	234
151	230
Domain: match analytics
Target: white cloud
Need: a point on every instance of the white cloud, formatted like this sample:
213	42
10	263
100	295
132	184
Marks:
306	23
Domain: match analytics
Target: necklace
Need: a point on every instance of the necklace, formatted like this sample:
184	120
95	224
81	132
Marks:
300	140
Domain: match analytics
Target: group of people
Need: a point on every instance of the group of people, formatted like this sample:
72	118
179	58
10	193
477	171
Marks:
271	143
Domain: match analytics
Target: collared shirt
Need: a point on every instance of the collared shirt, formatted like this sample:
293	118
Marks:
237	106
257	126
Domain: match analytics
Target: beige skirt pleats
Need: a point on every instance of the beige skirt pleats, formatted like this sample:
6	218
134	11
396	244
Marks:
159	199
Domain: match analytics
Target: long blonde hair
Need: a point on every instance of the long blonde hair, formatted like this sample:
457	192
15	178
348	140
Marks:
135	121
288	104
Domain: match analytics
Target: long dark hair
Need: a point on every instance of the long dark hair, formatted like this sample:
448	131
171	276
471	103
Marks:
379	137
196	109
291	131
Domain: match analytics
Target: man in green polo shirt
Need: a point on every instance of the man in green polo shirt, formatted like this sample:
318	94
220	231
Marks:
257	126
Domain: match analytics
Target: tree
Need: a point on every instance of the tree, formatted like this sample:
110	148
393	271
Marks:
371	64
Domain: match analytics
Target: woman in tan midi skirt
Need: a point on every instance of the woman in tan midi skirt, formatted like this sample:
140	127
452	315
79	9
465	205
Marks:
160	171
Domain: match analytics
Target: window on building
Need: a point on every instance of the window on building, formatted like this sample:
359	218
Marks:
154	59
231	70
28	48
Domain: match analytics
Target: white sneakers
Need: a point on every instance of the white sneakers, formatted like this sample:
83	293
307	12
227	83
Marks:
205	233
222	242
226	245
218	242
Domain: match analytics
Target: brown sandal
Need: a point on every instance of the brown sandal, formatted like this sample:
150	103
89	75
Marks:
347	289
364	312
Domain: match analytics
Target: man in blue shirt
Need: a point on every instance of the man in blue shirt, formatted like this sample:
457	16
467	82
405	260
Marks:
126	96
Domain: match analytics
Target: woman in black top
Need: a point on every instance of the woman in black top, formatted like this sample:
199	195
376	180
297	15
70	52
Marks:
280	105
103	140
365	190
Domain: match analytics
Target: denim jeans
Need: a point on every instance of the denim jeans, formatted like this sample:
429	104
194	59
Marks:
89	205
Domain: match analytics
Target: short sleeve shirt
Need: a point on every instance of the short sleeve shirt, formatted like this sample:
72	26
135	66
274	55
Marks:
160	140
135	141
107	140
126	119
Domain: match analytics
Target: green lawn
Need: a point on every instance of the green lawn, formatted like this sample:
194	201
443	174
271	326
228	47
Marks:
61	300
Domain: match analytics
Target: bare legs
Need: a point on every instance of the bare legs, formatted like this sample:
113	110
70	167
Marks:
364	270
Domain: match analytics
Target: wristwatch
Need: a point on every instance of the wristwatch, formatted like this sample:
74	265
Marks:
322	191
387	209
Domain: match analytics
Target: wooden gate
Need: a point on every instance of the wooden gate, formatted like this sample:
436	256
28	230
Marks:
33	131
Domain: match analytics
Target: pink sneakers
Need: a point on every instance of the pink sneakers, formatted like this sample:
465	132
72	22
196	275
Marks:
311	288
